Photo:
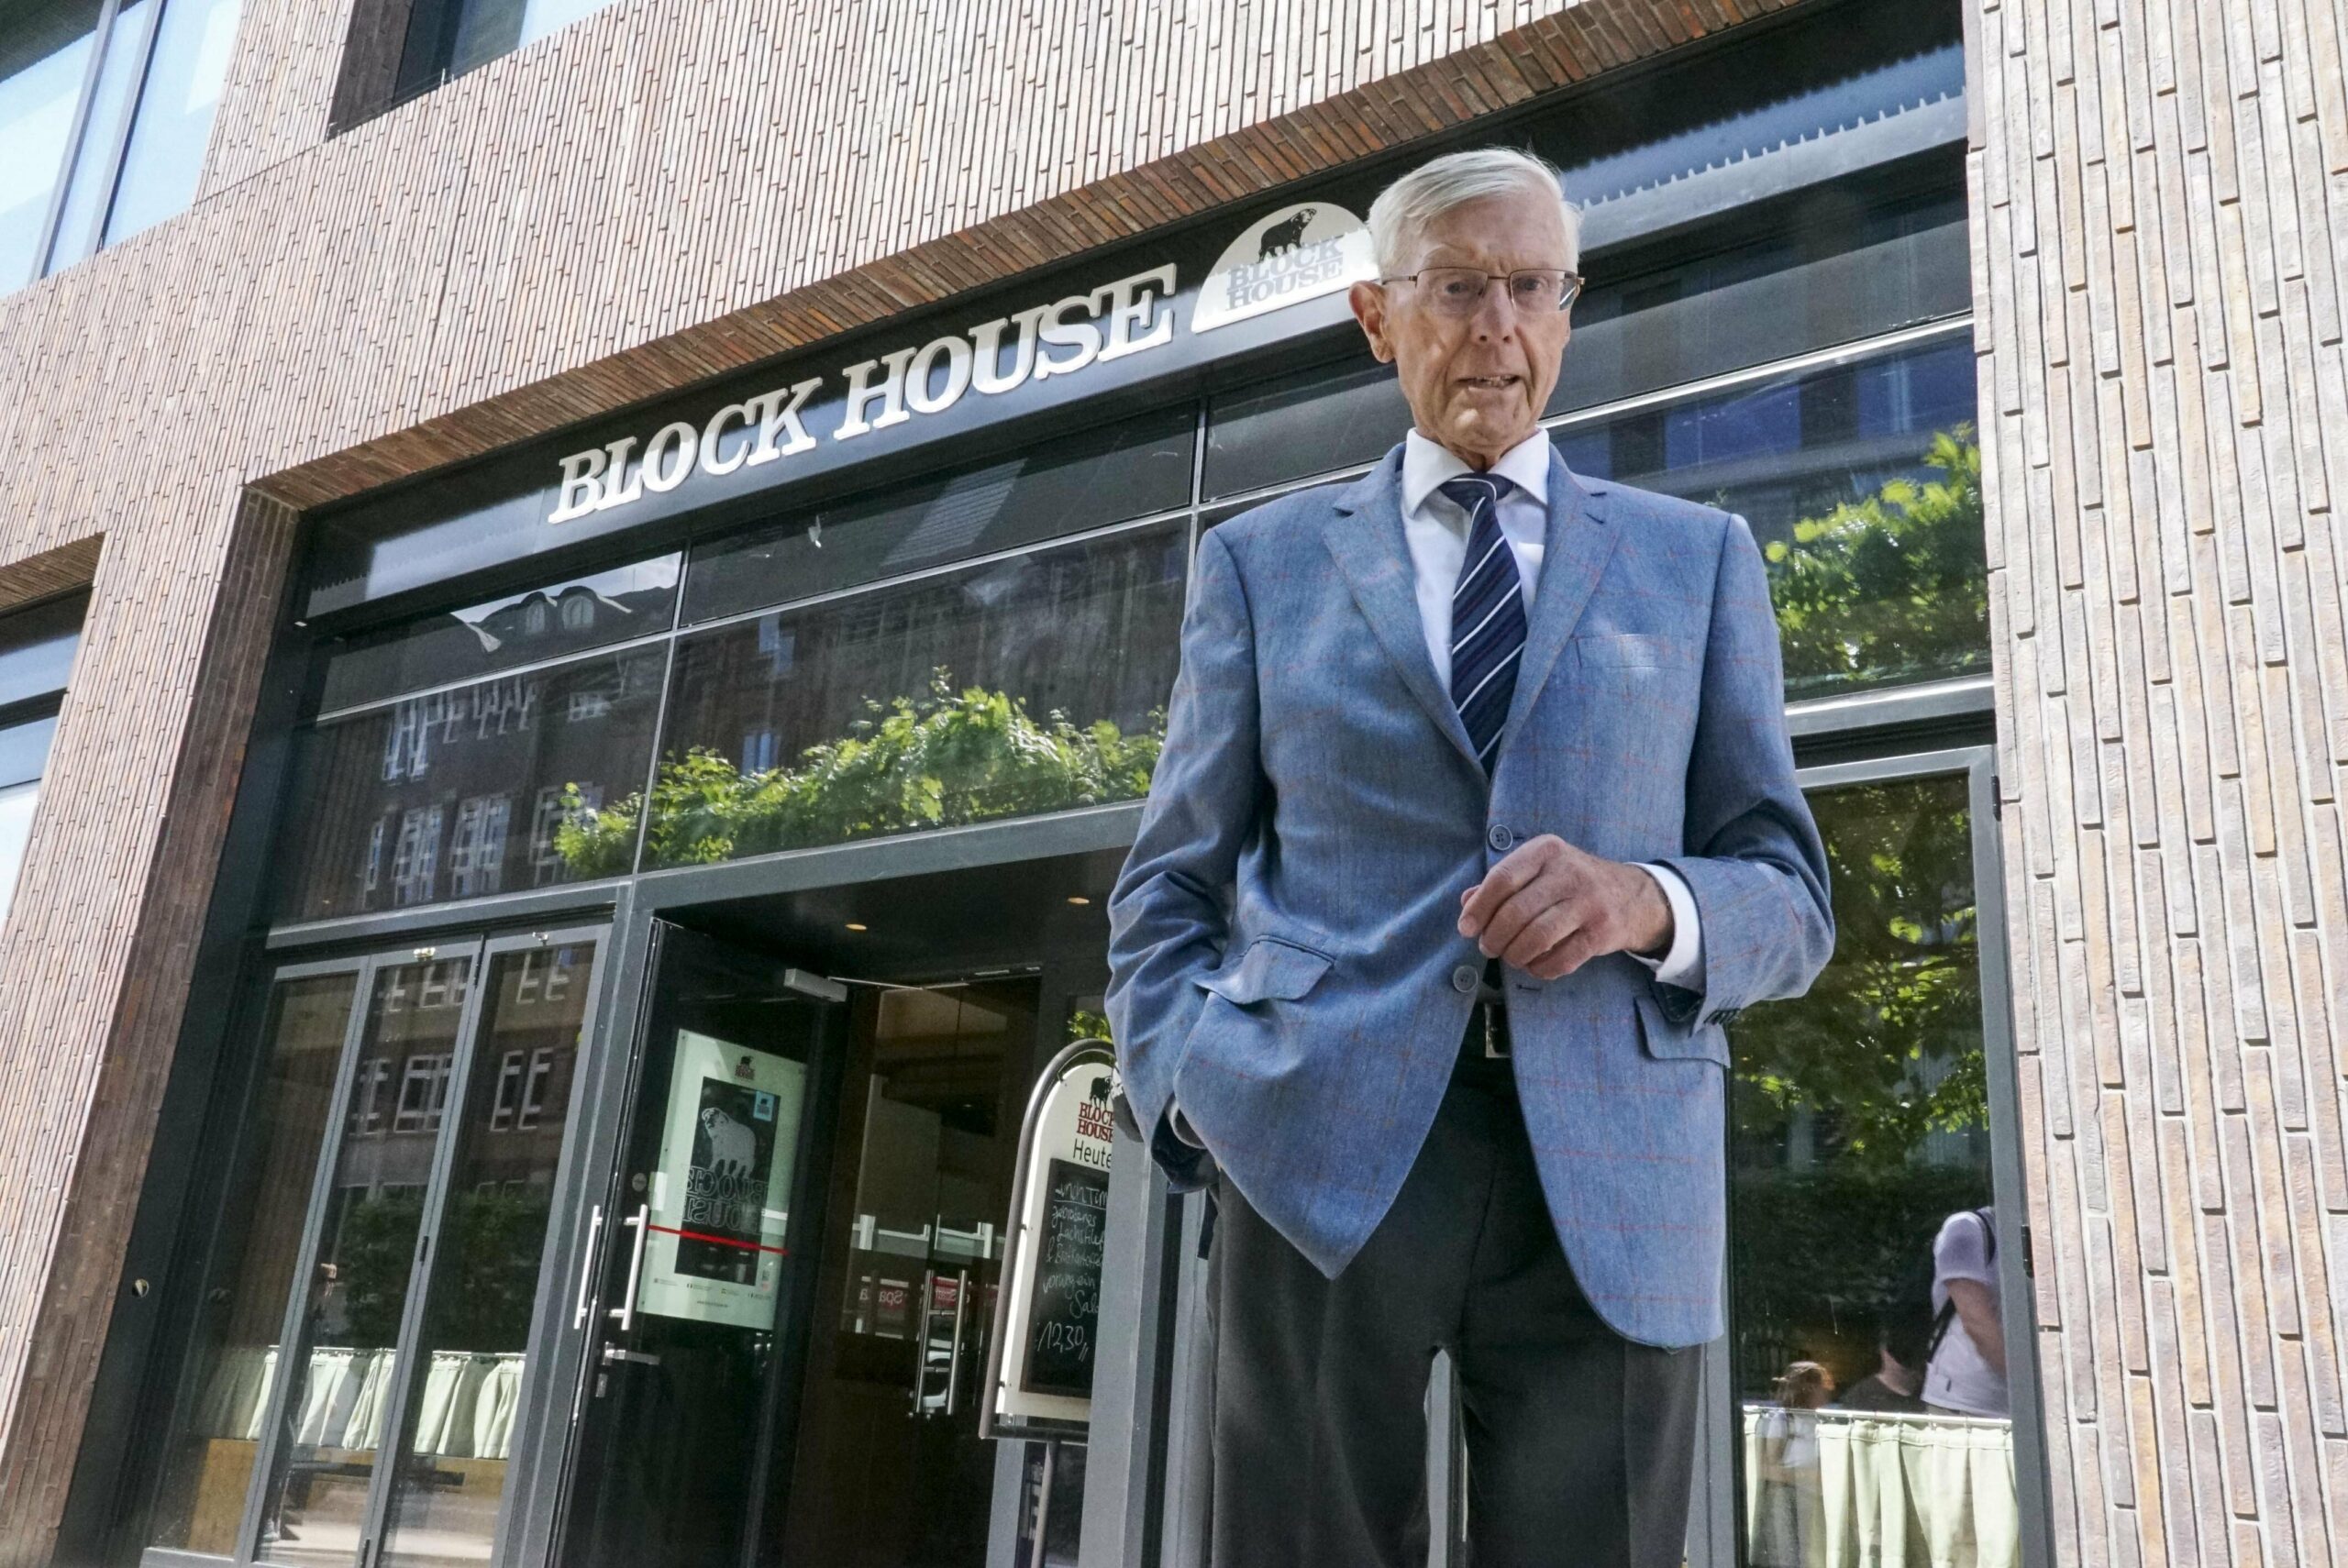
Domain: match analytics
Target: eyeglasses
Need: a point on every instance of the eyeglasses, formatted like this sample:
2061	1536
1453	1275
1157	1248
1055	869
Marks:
1460	291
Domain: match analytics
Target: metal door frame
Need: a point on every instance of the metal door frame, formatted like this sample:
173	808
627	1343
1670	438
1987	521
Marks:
571	1323
292	1339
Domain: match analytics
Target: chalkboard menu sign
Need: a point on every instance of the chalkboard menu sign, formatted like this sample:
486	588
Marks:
1041	1352
1063	1304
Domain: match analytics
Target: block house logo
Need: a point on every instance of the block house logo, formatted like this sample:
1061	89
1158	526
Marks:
1285	257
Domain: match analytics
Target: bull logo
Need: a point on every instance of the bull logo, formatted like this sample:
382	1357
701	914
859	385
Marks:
1285	235
1099	1095
732	1148
1289	255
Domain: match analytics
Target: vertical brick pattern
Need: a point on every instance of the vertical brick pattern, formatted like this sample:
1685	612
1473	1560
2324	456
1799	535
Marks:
2160	209
664	190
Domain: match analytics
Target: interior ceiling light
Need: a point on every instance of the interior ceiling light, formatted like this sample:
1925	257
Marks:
1079	898
857	925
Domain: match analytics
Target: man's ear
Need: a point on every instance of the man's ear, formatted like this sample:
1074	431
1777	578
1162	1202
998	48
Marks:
1369	303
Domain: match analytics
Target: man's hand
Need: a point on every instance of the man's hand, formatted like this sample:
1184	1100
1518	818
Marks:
1549	908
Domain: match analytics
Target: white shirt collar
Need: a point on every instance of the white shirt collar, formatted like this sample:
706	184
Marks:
1425	466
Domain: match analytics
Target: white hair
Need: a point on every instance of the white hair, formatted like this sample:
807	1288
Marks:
1399	218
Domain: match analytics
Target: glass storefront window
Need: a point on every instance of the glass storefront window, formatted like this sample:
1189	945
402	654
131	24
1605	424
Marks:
1850	268
1035	683
209	1452
1807	97
546	622
465	1384
1860	1204
459	794
1088	478
1862	483
1857	269
345	1343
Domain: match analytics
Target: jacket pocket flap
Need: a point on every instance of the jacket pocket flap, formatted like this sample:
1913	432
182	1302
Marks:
1674	1042
1268	970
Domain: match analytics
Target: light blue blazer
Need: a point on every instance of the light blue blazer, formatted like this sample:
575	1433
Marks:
1285	955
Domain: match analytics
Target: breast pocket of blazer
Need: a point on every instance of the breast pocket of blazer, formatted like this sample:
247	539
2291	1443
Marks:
1269	969
1672	1042
1628	651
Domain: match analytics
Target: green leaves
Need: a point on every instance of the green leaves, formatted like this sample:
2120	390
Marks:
1890	587
937	760
1886	1048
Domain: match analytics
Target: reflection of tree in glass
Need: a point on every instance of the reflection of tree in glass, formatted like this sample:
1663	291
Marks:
1890	588
1887	1046
373	1253
943	758
489	1270
1838	1186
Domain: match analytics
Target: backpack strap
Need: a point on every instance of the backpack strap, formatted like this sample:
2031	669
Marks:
1947	1314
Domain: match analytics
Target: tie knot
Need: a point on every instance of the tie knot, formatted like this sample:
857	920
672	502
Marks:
1469	492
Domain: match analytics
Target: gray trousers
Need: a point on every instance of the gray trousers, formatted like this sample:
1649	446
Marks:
1581	1444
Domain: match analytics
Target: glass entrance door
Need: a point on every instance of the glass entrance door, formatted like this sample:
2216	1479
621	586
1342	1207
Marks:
795	1269
890	1470
696	1303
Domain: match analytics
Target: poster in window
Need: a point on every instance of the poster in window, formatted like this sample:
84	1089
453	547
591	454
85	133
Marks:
720	1194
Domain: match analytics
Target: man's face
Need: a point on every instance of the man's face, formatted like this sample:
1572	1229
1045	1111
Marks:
1478	384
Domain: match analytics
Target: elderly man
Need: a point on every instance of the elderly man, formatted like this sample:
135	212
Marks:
1475	821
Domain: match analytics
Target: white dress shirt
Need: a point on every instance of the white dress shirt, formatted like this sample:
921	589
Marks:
1435	528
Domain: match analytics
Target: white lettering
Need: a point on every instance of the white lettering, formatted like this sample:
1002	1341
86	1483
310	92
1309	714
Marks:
774	415
1107	323
1060	333
988	339
956	353
668	457
615	492
582	485
861	393
1129	311
711	433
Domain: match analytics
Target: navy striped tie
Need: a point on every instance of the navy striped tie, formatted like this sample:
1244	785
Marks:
1487	615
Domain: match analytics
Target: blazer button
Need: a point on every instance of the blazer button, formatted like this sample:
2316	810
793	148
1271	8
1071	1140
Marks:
1463	978
1500	837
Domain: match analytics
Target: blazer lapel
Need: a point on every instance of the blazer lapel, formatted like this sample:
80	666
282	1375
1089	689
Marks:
1579	541
1364	531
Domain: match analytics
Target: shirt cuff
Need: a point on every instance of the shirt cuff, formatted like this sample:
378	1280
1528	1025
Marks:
1683	964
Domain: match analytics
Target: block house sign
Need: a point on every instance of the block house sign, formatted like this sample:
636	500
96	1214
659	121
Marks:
1081	337
1287	256
1078	330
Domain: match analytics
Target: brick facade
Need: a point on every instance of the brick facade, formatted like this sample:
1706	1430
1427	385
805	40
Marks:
2160	207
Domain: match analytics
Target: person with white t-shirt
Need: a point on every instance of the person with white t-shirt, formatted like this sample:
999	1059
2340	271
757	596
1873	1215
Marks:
1966	1374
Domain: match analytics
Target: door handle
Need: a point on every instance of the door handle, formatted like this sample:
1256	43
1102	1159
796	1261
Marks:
953	1355
638	1357
626	1312
921	1338
587	1267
